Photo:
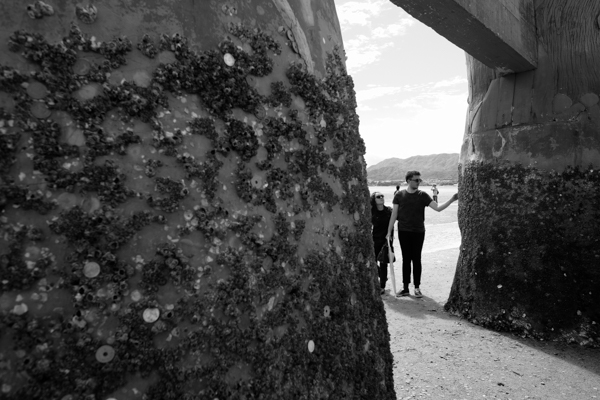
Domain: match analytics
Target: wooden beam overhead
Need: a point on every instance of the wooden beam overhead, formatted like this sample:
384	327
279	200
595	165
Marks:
499	33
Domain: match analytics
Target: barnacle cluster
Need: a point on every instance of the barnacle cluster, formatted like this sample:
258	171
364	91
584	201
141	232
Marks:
207	171
52	58
174	192
9	140
114	51
166	141
102	230
151	166
245	290
21	196
39	9
258	196
543	210
98	143
11	80
169	265
219	86
18	272
147	47
280	95
86	13
240	138
106	180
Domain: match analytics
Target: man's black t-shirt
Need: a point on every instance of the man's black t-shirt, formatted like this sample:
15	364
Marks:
411	210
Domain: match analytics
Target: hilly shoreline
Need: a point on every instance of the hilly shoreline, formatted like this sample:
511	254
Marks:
441	169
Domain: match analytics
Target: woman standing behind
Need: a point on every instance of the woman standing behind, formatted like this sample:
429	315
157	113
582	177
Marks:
380	218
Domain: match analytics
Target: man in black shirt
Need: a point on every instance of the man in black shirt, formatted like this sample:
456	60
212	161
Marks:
409	210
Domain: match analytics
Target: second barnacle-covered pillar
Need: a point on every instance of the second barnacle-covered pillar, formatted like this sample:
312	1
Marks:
183	205
529	179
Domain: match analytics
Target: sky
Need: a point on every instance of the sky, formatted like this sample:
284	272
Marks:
410	82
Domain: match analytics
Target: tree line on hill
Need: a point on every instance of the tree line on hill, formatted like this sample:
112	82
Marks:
441	169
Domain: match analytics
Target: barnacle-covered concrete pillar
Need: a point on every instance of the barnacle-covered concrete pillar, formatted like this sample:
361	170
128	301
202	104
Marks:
183	205
529	204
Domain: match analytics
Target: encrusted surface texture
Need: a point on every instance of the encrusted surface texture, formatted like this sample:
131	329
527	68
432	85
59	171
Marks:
183	205
530	161
530	251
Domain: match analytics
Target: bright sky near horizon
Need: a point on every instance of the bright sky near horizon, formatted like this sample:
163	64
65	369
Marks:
410	82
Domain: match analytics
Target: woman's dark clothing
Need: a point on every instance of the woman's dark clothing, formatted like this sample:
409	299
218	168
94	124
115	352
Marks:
381	267
380	220
411	244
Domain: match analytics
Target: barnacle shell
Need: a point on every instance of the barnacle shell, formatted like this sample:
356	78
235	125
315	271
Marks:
136	295
20	309
105	354
81	66
39	9
88	92
91	204
229	59
39	110
227	9
86	14
91	269
142	78
151	315
37	90
67	200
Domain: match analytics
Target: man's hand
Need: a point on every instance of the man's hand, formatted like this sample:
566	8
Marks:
455	197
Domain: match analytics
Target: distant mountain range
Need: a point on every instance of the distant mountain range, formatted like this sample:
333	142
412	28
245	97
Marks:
434	168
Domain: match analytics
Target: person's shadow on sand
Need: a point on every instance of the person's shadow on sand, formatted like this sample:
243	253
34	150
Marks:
414	307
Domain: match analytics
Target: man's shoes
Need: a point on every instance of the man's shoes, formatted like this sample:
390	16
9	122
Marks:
403	292
418	292
382	291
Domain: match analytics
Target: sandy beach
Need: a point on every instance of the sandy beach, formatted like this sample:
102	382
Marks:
440	356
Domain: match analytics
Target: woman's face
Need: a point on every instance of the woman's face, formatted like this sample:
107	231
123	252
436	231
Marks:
379	199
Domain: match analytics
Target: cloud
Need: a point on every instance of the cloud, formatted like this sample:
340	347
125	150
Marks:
377	92
393	30
369	27
361	52
358	12
413	103
410	83
433	124
455	85
457	80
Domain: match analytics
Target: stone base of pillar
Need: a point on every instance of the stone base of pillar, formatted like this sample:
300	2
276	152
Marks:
530	254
